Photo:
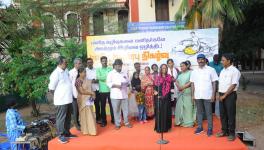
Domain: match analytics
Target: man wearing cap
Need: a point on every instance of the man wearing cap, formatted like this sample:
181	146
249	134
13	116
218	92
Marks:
203	92
118	82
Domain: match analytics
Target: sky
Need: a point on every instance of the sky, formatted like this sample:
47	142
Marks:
5	3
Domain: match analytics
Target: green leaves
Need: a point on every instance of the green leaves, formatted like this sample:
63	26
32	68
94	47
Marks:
30	55
233	11
246	38
213	12
27	72
72	49
29	69
184	8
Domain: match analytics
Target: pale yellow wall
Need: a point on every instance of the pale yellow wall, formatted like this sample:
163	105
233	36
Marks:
147	13
129	12
173	9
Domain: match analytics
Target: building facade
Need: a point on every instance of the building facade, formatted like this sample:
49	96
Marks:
153	10
79	18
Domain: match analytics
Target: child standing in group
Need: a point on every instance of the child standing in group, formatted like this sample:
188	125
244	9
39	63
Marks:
136	87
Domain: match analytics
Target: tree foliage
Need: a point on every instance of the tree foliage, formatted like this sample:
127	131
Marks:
27	72
210	13
246	38
29	55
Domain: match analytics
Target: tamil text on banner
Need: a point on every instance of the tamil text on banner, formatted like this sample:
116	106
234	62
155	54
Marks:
154	47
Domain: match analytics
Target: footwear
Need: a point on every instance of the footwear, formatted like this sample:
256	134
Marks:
145	121
128	125
78	128
209	132
198	131
135	118
99	122
62	140
231	137
141	122
117	127
70	136
221	134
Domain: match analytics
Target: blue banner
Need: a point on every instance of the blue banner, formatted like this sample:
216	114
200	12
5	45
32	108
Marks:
135	27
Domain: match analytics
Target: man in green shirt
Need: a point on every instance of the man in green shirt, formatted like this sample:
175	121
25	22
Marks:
104	91
217	65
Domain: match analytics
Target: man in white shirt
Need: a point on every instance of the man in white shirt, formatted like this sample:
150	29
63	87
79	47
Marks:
73	75
118	82
60	86
91	75
228	85
203	92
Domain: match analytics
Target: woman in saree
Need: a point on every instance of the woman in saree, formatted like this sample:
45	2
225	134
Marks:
184	111
147	84
85	103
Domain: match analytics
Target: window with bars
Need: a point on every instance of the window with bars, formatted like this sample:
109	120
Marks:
122	21
49	26
72	25
98	23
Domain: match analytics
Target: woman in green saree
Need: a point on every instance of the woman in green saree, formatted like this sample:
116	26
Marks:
185	110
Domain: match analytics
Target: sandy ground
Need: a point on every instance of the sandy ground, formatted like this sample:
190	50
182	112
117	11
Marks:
250	117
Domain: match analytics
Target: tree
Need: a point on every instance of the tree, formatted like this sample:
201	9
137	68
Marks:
23	42
27	73
246	39
210	13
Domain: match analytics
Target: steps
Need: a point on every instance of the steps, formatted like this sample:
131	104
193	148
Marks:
246	138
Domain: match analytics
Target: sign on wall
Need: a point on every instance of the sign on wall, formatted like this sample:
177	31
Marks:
135	27
154	47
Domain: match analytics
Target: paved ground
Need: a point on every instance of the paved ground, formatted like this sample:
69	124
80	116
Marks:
250	113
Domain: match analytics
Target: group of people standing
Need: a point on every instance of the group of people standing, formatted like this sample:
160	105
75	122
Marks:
75	92
157	93
165	91
188	94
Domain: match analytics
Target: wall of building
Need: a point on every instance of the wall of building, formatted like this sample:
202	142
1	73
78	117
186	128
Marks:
133	11
110	21
173	8
146	11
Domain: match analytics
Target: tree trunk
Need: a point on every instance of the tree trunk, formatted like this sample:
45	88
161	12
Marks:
35	110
